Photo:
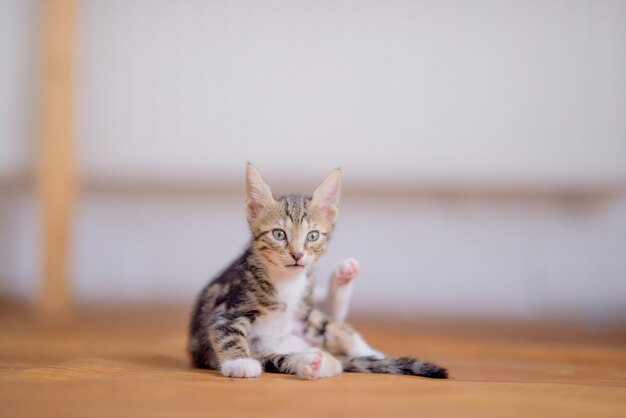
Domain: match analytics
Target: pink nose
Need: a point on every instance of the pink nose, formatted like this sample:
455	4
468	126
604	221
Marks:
297	256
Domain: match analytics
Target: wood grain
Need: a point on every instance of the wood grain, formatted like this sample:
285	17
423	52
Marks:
132	362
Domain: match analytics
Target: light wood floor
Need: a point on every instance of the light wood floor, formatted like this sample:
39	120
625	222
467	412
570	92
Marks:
123	362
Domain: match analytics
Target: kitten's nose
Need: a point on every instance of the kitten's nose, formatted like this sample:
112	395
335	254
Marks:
297	255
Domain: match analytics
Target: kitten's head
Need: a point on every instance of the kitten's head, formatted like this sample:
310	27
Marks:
291	232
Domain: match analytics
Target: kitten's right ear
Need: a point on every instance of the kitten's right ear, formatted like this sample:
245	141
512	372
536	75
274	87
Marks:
326	196
258	193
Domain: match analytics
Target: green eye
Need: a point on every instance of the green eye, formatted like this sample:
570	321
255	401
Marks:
313	236
279	234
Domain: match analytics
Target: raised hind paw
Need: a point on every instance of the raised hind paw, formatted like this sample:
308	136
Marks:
345	272
340	289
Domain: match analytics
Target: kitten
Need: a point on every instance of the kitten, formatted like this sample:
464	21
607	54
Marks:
258	314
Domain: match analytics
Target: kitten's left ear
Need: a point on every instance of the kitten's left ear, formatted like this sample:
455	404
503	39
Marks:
326	196
258	193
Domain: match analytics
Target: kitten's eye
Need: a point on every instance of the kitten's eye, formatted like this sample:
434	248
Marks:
279	234
312	236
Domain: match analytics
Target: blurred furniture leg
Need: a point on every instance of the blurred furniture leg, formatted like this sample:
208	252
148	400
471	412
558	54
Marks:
56	175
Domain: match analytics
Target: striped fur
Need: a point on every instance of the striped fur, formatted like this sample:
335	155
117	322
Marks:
259	313
393	365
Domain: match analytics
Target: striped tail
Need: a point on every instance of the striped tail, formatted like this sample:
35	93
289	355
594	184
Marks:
393	365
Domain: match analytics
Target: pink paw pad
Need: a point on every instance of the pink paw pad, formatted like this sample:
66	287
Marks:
316	362
310	365
347	271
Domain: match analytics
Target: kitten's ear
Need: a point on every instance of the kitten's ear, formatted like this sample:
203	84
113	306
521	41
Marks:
326	196
258	193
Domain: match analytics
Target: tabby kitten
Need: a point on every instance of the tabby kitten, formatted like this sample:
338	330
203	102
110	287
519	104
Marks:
258	314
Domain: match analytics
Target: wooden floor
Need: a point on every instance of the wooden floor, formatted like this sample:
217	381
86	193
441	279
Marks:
124	362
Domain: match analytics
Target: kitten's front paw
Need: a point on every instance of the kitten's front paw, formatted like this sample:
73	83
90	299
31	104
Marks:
241	367
346	271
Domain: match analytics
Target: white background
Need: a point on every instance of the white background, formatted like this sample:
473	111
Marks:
397	93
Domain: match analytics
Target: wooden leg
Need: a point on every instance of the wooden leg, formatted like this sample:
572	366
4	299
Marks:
56	174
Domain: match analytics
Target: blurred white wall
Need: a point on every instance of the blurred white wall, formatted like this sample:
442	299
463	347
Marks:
18	87
524	260
400	94
482	91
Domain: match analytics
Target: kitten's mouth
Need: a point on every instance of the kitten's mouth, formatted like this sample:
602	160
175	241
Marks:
296	265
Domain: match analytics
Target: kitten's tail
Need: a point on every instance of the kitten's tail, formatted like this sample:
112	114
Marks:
393	365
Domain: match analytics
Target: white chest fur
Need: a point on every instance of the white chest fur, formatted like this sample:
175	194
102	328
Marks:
279	324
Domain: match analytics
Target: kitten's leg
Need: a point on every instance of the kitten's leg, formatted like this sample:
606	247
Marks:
311	364
336	337
294	355
340	289
228	340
